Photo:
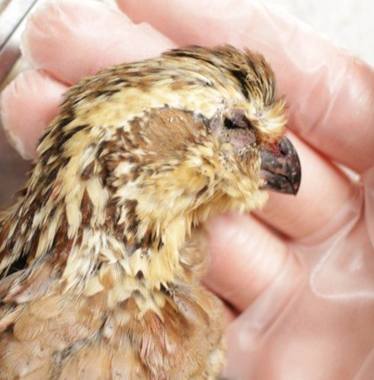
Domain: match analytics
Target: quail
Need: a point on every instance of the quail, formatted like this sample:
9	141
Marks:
103	252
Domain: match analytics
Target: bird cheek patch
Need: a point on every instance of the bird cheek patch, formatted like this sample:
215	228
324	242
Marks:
242	138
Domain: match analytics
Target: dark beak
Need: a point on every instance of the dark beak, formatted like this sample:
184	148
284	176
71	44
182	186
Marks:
280	167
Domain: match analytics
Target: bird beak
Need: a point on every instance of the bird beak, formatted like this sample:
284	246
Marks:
280	167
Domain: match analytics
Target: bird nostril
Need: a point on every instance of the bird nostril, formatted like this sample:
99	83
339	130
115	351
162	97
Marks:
283	147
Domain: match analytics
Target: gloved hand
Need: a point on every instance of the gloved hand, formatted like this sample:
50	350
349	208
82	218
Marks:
299	275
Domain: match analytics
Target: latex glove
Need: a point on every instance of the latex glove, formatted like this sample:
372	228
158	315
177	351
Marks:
300	274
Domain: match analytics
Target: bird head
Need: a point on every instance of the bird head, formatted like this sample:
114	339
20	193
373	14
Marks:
251	119
211	128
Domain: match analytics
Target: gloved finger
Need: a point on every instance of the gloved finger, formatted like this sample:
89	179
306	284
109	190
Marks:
331	307
368	181
27	105
229	314
246	258
71	39
68	40
323	191
330	93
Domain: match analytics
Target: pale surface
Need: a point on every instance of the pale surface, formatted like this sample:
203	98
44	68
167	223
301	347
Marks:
347	22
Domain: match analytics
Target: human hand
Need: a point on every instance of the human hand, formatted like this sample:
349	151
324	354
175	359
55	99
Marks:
299	274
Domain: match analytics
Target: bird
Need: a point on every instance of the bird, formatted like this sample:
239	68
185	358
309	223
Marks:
103	251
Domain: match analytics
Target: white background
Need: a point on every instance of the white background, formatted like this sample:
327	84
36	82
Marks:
350	23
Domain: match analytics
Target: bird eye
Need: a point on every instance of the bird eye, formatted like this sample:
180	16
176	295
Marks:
229	124
239	129
237	120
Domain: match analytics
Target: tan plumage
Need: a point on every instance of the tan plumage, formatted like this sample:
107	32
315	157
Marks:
101	256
